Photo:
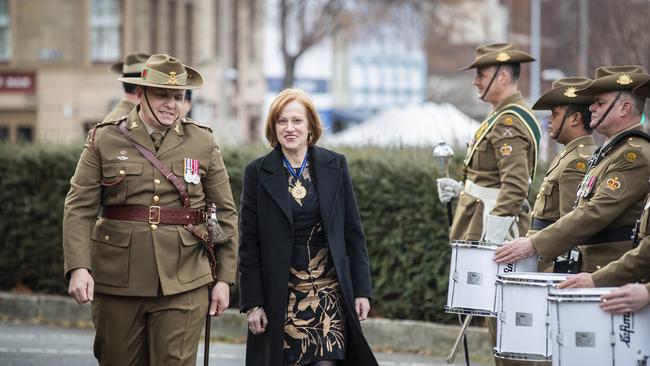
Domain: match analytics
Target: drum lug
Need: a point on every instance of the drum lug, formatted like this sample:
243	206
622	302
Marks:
455	277
560	339
612	340
547	320
641	360
502	316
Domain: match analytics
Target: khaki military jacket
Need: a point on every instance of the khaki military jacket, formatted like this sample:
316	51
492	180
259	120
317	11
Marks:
121	109
633	266
133	258
614	199
557	194
504	159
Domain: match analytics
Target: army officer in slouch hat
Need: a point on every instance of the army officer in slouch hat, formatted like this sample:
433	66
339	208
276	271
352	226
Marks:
142	263
569	126
131	67
611	196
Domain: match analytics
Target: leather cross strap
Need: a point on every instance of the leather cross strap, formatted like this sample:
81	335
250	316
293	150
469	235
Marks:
154	214
185	197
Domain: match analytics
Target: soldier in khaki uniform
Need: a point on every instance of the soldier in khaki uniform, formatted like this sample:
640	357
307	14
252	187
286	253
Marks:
502	158
633	266
142	263
131	67
612	193
569	126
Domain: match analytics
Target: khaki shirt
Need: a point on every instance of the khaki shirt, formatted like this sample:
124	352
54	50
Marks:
504	159
615	200
133	258
121	109
557	194
633	266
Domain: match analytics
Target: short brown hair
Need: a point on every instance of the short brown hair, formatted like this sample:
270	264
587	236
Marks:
281	100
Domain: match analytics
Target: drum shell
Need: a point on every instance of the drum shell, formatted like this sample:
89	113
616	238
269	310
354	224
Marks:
583	334
523	328
472	277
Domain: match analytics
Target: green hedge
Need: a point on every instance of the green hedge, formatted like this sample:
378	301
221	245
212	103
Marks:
405	224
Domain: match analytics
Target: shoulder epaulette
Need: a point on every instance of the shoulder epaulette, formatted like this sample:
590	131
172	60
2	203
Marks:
111	121
187	120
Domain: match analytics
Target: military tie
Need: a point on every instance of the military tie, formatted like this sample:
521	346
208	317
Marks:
157	138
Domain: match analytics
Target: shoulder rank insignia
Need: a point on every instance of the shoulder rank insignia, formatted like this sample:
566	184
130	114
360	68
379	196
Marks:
508	121
505	150
177	128
613	184
134	124
631	156
632	142
581	166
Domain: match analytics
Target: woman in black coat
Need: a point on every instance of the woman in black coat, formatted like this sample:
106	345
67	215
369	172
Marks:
303	262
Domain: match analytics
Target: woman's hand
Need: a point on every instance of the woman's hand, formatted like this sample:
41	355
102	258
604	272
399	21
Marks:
257	320
362	307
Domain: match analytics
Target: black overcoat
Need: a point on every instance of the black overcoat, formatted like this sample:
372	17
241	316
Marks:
266	241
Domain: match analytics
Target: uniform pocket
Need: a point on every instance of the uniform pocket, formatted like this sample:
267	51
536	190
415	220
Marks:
192	262
117	177
551	202
109	252
484	156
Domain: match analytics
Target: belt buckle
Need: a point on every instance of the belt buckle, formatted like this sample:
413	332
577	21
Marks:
154	215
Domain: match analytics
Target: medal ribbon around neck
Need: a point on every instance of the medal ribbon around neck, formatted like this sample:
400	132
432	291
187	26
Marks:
298	191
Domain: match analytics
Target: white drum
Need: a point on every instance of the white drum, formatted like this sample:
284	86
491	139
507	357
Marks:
584	334
523	326
472	277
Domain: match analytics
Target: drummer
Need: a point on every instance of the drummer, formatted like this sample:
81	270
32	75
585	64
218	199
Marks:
569	126
633	266
502	157
611	196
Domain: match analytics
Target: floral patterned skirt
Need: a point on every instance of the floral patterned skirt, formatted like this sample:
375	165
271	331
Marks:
314	328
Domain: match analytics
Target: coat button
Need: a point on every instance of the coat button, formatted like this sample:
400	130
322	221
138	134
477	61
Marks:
106	237
154	227
122	172
157	181
156	199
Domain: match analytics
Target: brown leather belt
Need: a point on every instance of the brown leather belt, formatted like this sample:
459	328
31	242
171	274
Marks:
154	214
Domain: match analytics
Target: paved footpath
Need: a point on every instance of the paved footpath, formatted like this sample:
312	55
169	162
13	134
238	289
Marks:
35	345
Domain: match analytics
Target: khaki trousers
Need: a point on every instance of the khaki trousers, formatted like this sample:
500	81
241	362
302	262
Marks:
138	331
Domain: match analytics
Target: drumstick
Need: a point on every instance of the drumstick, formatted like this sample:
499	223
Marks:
461	334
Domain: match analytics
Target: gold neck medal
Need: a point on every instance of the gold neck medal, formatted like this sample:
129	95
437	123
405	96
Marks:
298	191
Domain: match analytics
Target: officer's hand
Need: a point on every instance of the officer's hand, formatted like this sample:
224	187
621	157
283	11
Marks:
515	250
448	189
580	280
627	299
82	286
257	321
220	298
362	307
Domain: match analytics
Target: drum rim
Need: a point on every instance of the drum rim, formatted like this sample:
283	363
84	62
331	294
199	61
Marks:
473	244
573	295
528	281
468	311
520	356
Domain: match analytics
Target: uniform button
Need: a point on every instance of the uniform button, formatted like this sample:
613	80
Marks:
545	178
581	145
107	237
156	199
157	181
477	201
154	227
538	195
599	267
122	172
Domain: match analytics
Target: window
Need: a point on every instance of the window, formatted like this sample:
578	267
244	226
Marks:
105	25
24	134
5	34
4	133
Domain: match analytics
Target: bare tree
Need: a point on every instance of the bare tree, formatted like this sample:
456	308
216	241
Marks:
306	23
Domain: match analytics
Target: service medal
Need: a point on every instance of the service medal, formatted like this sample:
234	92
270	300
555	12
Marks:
298	191
196	179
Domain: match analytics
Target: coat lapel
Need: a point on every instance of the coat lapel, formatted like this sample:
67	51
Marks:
275	182
139	132
328	181
173	138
